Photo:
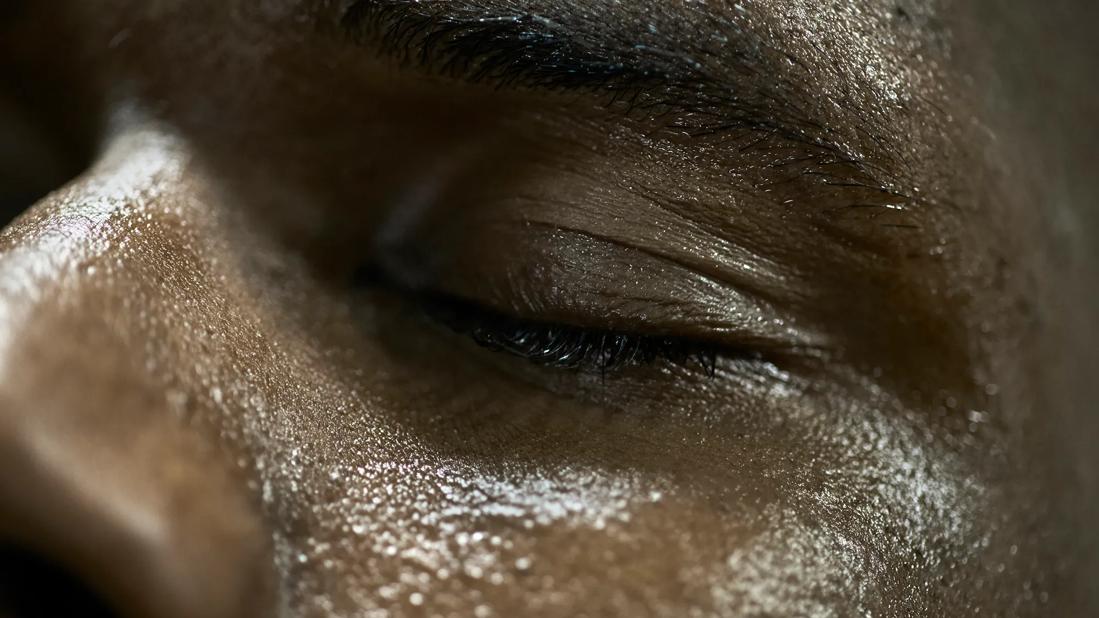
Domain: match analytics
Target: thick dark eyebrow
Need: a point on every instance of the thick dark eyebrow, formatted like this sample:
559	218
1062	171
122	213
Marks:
653	70
696	69
509	48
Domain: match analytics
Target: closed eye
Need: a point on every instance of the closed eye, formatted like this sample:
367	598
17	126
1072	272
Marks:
557	345
570	347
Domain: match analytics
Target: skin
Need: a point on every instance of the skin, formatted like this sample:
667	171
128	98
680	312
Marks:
204	412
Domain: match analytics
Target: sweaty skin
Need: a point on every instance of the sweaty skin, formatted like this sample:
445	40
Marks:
206	409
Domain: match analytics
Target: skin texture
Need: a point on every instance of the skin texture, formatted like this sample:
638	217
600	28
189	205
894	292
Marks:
204	412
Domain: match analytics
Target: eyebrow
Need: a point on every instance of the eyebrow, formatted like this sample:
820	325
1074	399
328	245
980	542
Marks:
660	68
689	68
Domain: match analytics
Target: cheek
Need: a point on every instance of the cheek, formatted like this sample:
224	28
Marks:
391	488
384	513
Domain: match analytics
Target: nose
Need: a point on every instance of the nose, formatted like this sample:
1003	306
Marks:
110	501
105	502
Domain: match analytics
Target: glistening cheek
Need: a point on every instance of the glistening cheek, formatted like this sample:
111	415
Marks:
451	487
409	503
398	468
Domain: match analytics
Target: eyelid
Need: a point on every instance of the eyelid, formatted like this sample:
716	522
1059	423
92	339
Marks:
564	275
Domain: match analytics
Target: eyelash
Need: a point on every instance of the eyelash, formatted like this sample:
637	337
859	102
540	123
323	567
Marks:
569	347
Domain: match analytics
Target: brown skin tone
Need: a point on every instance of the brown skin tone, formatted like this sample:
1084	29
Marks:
204	412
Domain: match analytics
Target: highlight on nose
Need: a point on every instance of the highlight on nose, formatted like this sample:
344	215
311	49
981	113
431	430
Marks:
107	494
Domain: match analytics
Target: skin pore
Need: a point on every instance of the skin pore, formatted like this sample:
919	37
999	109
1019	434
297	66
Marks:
832	243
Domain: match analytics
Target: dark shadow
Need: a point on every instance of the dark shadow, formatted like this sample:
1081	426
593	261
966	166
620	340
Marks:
48	121
33	587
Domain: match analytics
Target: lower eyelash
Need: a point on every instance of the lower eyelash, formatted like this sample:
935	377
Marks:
568	347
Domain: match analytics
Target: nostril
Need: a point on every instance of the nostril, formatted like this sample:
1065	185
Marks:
33	586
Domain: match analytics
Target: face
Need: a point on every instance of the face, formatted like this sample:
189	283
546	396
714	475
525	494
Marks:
554	308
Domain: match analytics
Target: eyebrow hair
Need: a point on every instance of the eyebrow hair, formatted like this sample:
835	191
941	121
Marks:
523	47
692	69
654	71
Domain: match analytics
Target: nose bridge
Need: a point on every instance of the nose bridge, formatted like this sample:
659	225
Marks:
97	468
